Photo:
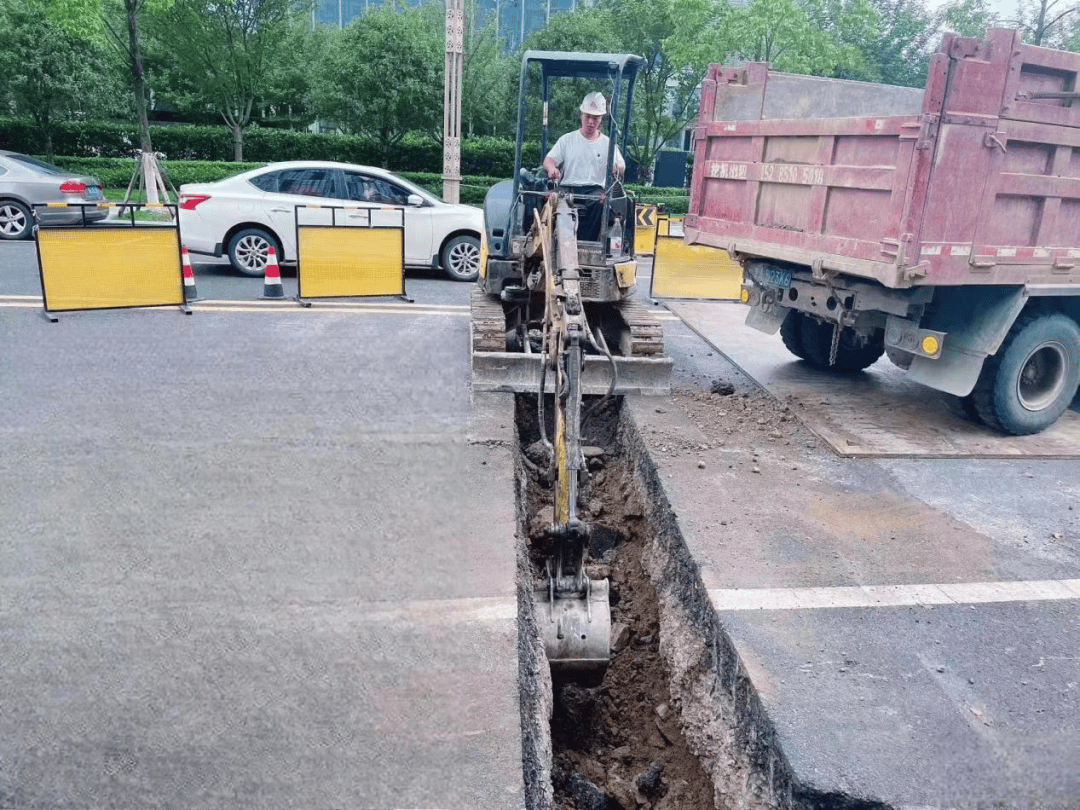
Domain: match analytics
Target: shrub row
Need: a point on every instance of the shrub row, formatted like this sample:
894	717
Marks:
117	173
485	156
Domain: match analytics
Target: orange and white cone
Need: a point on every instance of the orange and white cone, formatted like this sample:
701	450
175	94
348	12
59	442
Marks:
189	277
272	282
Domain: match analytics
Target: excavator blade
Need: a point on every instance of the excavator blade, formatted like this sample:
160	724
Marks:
520	374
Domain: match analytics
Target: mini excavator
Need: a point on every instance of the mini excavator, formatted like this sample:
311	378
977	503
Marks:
552	314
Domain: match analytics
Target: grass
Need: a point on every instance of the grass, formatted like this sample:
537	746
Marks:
116	195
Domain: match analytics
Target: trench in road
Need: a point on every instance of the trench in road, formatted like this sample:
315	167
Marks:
675	721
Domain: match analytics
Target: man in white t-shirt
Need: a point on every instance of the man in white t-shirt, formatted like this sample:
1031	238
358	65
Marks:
578	160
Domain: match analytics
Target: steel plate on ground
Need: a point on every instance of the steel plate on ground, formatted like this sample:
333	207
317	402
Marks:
878	412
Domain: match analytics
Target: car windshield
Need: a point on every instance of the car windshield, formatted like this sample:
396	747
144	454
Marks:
40	165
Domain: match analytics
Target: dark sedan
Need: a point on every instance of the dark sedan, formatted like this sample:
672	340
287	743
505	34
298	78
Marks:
25	181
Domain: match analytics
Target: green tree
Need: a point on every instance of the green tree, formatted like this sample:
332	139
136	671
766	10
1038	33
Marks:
969	18
228	51
287	88
665	97
899	51
1050	23
488	80
588	29
803	37
47	74
117	22
382	76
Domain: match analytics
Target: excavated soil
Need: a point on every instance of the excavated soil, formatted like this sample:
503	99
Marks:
618	743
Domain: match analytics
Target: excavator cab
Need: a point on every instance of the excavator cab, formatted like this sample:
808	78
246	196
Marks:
561	79
553	315
509	300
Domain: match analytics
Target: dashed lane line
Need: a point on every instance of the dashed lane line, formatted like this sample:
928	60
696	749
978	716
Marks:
865	596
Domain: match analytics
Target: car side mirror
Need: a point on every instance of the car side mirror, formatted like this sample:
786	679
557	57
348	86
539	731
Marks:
415	200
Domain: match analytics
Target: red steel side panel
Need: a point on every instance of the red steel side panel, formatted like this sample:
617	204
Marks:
821	186
983	186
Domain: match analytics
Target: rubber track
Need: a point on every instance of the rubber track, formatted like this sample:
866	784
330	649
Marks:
644	336
488	322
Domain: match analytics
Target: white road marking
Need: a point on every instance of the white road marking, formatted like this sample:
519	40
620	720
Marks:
427	611
860	596
285	305
369	309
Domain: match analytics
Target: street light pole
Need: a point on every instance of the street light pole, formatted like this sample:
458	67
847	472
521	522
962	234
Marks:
455	51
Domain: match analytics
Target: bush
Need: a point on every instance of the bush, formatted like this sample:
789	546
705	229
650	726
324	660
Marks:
416	153
117	172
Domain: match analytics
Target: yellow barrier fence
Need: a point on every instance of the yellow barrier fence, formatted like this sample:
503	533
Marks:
362	258
646	218
693	271
111	265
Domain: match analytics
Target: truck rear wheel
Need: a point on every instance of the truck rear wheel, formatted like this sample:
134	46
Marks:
853	353
1029	383
791	333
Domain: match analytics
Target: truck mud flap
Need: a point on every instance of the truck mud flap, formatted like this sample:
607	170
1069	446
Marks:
520	374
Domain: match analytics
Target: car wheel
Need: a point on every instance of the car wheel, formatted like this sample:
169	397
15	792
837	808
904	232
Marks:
16	221
1029	383
461	258
248	250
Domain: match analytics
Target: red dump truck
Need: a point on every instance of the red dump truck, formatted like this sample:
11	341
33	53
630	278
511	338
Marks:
939	226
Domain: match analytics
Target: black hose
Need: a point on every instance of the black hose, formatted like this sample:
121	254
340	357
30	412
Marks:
598	342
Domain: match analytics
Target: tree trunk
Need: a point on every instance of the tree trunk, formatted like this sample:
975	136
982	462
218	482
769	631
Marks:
151	180
238	143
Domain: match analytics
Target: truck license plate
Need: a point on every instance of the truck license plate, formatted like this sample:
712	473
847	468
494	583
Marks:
777	277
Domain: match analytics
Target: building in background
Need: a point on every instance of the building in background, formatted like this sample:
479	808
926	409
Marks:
516	19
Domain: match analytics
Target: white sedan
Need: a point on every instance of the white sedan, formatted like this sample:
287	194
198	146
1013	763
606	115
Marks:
243	216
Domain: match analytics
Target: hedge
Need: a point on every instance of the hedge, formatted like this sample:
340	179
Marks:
117	173
484	156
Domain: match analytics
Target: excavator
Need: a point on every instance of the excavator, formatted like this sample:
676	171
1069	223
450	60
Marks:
554	315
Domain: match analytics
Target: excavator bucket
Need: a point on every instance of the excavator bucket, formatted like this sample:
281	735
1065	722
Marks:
576	630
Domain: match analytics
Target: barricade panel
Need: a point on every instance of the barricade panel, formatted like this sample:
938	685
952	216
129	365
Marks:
693	271
646	218
110	267
344	261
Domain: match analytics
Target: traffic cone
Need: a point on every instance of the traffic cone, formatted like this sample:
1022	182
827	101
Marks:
272	283
190	293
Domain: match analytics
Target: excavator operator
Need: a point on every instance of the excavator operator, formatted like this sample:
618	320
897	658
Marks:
578	160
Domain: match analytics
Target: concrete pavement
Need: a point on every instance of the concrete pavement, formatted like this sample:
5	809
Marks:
254	559
910	626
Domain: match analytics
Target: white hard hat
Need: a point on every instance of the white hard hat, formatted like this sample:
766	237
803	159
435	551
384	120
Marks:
594	104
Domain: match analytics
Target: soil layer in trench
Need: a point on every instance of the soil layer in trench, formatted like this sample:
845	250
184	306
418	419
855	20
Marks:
617	743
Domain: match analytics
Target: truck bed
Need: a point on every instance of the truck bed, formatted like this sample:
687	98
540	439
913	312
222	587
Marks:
973	180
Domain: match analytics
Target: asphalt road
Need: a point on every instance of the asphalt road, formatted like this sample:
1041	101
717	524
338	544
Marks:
259	556
262	556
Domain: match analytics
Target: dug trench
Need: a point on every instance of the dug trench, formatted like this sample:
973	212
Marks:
675	721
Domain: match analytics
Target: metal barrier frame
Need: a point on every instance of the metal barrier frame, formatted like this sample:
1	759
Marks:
657	215
103	225
300	297
652	277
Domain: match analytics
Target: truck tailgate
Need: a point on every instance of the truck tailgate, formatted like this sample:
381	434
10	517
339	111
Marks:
974	180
